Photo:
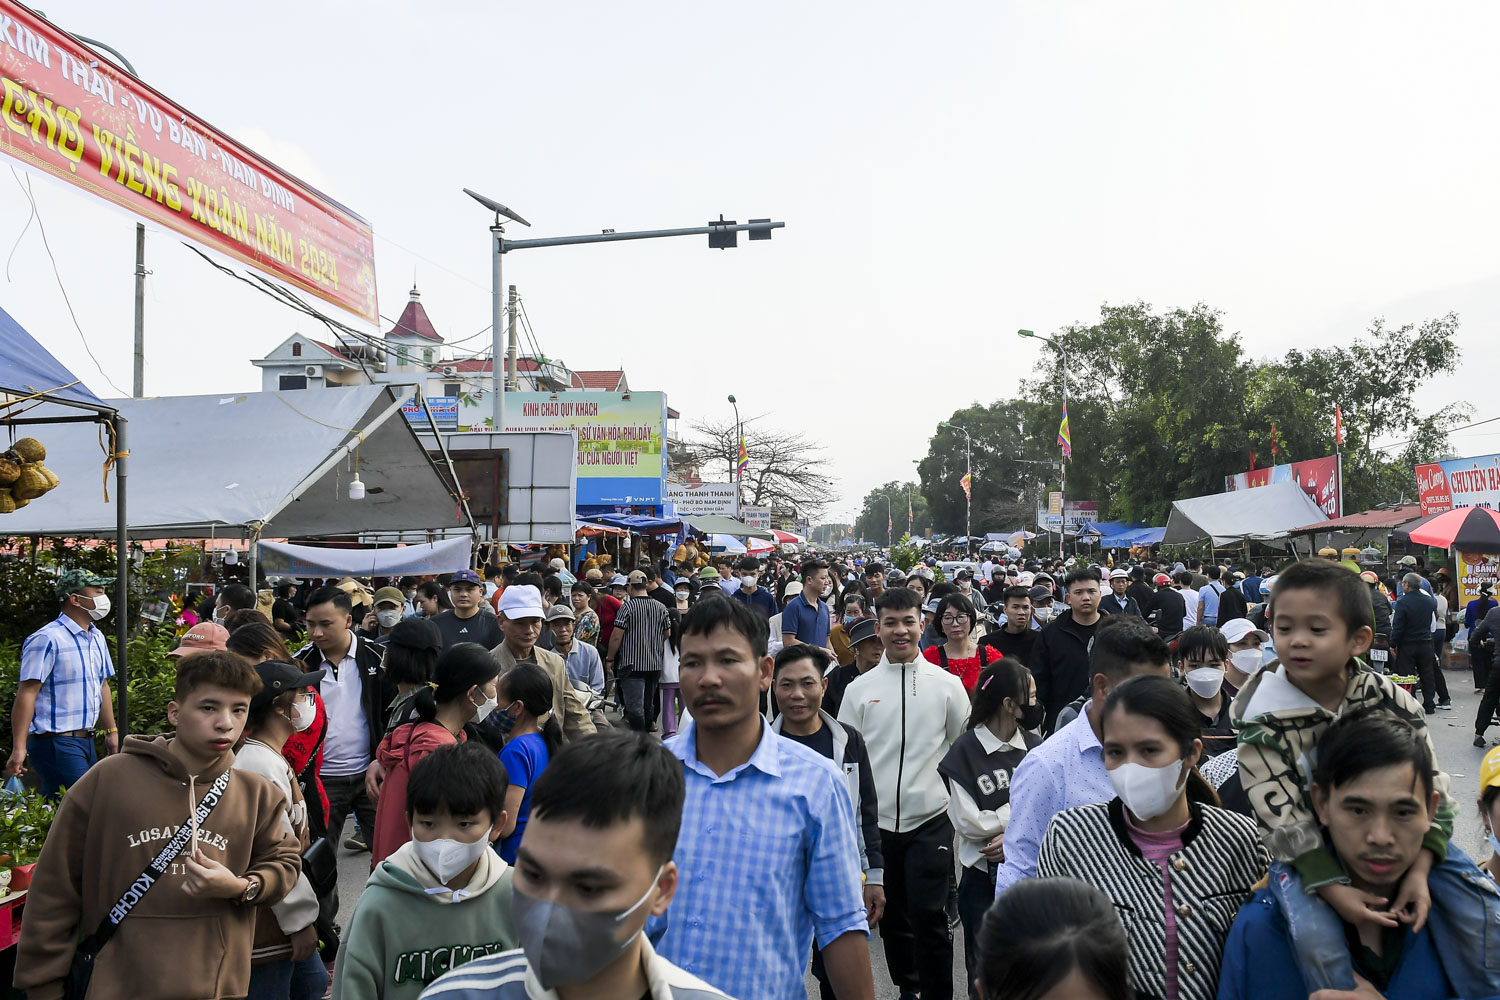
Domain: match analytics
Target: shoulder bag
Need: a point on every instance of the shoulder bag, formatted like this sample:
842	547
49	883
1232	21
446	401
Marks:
76	985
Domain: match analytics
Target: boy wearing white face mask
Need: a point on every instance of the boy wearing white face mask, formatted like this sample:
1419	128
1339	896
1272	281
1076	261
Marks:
1201	656
595	864
443	898
463	690
286	942
1166	817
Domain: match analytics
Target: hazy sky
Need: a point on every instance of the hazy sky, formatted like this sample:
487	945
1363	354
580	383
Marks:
947	172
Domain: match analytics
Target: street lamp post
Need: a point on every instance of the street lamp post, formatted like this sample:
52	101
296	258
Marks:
1062	359
968	493
734	461
722	234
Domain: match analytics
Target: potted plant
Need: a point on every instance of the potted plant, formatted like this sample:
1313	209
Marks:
23	831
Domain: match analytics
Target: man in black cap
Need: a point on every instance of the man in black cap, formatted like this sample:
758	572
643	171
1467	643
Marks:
867	652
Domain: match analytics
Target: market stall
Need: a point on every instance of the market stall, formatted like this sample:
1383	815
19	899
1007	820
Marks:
292	464
1264	513
82	434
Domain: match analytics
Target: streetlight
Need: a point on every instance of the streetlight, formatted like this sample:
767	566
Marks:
968	493
722	234
1062	486
734	461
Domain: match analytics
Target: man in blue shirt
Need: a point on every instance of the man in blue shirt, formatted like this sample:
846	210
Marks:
64	688
768	851
806	618
751	592
1068	769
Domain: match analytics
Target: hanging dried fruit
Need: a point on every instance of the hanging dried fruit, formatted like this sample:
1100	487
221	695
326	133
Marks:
30	484
30	449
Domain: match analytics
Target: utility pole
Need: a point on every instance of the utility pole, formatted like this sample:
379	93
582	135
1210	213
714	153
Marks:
510	354
138	386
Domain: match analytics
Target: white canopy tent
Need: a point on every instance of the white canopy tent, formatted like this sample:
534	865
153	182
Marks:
421	559
1264	513
272	463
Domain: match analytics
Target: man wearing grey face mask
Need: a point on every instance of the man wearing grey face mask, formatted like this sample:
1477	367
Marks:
595	865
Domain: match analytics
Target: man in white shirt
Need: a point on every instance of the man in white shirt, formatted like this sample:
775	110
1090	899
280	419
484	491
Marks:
356	698
1183	581
909	712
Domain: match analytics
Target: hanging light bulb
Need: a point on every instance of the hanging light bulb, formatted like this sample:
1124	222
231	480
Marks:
356	486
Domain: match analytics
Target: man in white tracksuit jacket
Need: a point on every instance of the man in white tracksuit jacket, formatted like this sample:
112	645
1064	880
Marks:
909	712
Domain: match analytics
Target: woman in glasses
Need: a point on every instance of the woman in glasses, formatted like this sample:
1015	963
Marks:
959	653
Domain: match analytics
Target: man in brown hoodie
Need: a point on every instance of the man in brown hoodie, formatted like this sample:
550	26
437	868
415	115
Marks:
190	935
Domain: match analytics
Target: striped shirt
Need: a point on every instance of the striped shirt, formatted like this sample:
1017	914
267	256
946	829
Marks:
768	862
72	663
645	622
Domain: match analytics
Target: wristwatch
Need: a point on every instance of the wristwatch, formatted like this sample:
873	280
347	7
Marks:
251	890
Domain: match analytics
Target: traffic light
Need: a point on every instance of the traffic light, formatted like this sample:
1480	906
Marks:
722	239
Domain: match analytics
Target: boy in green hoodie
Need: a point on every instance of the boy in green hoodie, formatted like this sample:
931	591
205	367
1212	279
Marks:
189	933
443	898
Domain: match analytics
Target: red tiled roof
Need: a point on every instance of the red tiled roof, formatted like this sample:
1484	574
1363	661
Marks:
609	381
336	352
414	321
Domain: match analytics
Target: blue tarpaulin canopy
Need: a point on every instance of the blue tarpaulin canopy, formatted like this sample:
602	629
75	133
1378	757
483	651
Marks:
1135	536
27	369
638	523
1104	529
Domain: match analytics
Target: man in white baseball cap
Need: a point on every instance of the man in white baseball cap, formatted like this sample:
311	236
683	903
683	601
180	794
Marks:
520	613
1245	656
1117	602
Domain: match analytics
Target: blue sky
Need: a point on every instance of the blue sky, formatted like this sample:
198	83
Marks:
947	172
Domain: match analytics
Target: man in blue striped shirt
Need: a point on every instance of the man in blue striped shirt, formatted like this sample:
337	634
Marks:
64	689
768	854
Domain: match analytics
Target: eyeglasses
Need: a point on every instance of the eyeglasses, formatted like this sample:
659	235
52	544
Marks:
955	619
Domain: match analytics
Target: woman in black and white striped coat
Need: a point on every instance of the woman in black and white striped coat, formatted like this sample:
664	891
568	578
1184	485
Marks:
1176	866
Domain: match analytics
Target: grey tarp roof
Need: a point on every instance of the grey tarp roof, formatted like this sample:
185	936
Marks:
225	462
1264	512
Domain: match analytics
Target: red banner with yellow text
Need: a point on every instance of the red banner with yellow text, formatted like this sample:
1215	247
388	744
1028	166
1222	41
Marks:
71	113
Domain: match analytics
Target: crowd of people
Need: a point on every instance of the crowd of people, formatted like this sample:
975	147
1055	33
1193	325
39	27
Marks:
703	776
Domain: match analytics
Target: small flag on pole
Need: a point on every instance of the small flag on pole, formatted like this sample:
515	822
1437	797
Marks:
1252	461
1338	424
743	462
1275	445
967	483
909	515
1064	435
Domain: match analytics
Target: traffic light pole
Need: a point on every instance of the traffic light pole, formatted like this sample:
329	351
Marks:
759	229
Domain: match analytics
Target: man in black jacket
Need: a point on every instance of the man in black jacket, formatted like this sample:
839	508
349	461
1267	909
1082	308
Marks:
1062	650
1168	609
1118	601
356	699
1140	590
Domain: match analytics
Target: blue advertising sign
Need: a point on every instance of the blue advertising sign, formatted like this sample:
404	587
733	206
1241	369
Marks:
444	411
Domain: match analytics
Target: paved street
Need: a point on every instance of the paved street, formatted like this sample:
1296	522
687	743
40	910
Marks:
1452	732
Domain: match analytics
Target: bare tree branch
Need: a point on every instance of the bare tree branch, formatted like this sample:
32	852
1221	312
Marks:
785	467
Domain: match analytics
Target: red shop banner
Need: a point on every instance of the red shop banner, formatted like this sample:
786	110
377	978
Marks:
71	113
1320	478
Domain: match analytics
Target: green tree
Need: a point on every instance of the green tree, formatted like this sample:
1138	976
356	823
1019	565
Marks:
1167	405
871	523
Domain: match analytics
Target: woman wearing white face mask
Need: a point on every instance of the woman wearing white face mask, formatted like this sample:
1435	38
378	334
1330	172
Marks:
462	690
1245	656
1176	866
1201	656
282	957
